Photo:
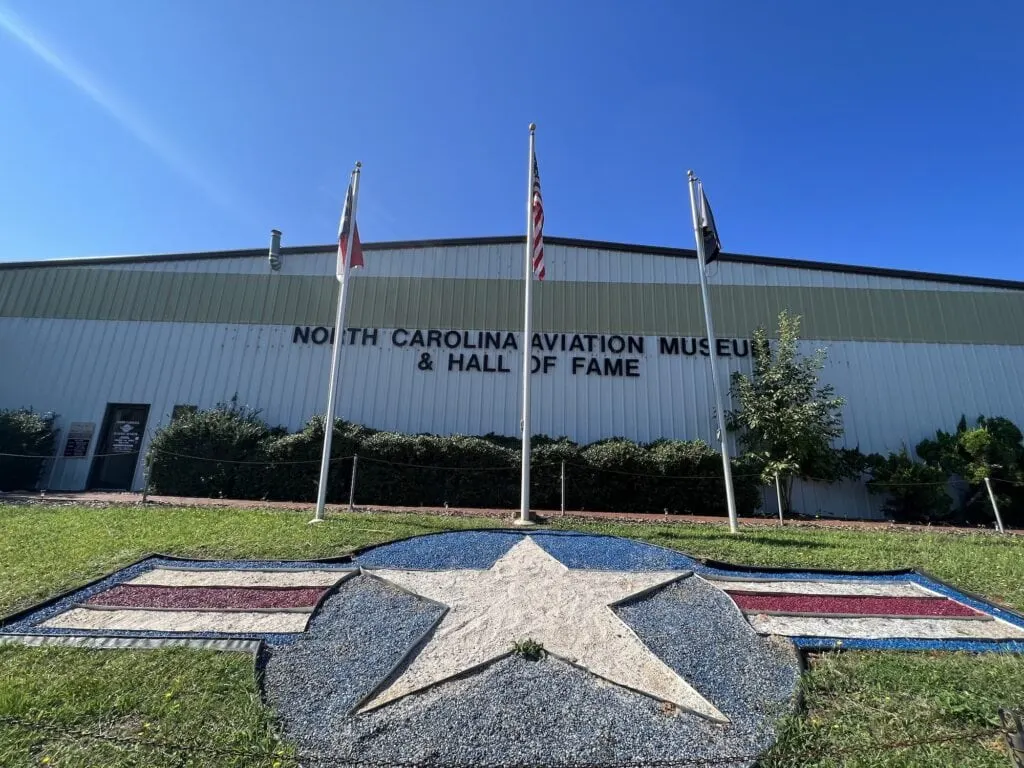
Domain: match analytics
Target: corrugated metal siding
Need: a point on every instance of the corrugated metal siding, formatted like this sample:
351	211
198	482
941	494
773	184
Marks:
869	314
897	393
574	264
199	332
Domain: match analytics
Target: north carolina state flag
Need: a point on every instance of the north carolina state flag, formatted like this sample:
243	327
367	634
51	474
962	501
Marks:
348	220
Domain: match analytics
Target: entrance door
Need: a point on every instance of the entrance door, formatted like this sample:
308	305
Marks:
117	453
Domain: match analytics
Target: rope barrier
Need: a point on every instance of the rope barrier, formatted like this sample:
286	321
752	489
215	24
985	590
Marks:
507	468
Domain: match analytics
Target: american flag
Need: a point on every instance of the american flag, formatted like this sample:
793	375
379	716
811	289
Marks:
347	220
538	224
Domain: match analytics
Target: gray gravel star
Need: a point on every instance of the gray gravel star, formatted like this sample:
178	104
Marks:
528	594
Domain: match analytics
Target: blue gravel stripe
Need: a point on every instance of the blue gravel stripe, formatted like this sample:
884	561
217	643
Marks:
901	644
807	576
441	551
232	565
611	553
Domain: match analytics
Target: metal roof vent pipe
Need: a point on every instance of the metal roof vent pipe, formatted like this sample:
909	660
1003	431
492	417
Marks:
275	250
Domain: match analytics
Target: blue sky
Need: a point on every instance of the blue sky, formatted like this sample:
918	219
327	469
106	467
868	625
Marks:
871	133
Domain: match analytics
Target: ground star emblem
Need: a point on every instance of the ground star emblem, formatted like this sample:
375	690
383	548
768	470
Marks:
527	593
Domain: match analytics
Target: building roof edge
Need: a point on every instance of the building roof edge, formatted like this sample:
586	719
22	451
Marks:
739	258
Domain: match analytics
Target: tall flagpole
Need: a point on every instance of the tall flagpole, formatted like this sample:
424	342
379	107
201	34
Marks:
339	334
524	507
730	497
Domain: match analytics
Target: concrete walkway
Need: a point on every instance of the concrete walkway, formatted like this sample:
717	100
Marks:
111	498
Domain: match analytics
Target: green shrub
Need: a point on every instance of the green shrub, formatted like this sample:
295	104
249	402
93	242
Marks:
993	448
230	452
28	435
219	453
674	476
427	470
295	469
915	492
546	457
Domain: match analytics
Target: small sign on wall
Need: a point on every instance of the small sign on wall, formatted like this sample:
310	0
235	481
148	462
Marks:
80	433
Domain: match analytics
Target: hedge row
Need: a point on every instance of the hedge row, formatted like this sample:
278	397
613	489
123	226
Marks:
230	452
24	433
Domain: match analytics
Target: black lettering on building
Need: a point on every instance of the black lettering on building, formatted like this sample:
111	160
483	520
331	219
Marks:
399	337
320	335
722	347
612	367
633	368
668	346
301	334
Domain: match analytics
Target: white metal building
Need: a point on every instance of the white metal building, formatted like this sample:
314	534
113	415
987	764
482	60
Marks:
113	345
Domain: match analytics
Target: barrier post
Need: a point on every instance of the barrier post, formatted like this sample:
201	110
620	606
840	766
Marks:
995	506
778	497
563	489
352	484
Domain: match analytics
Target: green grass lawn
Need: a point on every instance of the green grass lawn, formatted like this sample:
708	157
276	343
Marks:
73	707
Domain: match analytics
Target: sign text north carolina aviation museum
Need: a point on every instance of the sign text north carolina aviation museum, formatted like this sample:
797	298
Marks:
590	354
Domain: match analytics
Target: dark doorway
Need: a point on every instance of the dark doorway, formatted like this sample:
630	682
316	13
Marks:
117	453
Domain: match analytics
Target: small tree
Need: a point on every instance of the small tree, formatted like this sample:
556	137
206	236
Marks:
786	420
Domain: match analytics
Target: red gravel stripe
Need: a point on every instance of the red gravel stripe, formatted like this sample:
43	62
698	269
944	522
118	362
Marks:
184	598
846	605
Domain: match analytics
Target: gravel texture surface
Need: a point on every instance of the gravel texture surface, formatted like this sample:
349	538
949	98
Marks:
848	605
529	594
33	622
137	596
517	712
230	622
882	629
868	589
202	577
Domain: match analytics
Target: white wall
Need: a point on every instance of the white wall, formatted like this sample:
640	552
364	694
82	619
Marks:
896	392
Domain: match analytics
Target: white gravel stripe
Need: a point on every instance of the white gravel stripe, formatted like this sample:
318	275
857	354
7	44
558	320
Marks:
179	621
858	588
883	629
167	577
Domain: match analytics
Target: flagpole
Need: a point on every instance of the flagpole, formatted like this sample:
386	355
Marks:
730	497
339	335
524	506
